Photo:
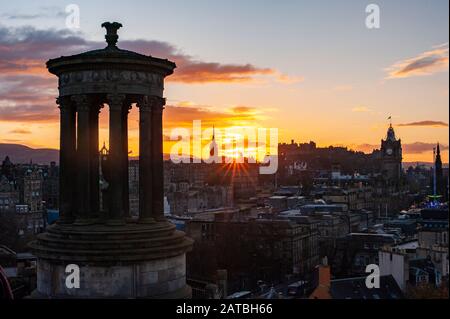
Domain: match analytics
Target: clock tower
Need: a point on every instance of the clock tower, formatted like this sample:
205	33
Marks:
391	157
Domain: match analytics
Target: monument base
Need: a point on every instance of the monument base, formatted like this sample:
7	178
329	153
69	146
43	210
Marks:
130	261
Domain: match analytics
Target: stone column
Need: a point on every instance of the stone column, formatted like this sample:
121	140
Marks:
126	202
67	163
145	161
116	213
94	164
157	105
83	159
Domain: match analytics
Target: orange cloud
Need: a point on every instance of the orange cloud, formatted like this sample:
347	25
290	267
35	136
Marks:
25	67
244	110
27	98
427	63
426	123
200	72
20	131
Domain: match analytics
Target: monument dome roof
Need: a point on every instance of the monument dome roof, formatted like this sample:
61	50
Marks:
111	55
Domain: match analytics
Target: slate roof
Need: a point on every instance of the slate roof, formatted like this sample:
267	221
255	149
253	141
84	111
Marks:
355	288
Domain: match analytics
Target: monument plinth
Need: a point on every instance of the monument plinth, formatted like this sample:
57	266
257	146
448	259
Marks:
118	257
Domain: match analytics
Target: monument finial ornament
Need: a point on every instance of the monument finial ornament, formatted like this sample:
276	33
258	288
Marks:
111	33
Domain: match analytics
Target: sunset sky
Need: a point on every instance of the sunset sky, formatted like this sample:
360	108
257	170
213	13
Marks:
309	68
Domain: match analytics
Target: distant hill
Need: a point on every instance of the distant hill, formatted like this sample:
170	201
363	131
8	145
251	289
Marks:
20	154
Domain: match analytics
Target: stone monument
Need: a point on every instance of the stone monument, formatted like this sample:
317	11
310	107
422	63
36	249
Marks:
118	257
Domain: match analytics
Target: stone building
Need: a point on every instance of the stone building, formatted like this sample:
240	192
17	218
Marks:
50	186
249	250
184	199
423	260
357	250
356	198
21	200
33	186
9	195
433	238
244	179
192	188
310	250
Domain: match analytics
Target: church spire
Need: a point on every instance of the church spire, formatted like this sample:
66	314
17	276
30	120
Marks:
438	160
104	150
439	187
213	145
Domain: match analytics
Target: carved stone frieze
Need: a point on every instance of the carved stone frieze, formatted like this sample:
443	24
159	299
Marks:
107	81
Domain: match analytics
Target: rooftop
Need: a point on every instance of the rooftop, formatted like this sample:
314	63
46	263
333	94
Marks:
355	288
409	245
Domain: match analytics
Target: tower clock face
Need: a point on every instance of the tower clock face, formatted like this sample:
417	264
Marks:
389	151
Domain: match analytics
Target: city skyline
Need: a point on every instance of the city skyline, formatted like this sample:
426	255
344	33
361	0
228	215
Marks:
224	151
336	83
